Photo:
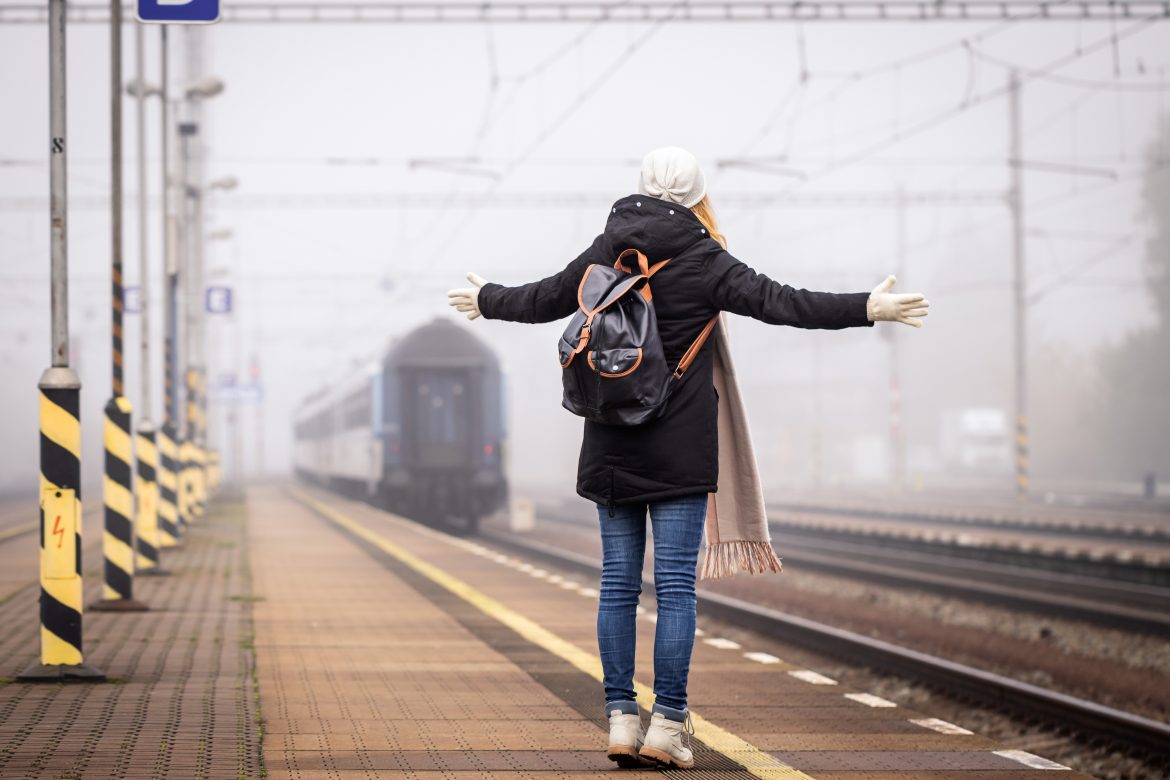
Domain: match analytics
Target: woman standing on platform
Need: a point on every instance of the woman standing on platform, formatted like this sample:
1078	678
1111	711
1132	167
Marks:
673	466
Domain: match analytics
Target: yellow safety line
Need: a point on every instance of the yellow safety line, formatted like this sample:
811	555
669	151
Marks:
739	750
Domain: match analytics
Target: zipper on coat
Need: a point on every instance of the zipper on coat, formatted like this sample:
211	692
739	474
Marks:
611	506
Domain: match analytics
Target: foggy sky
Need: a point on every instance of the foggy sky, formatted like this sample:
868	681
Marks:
342	110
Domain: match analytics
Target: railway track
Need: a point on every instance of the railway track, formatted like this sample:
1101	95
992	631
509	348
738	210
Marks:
1149	528
1124	605
1124	565
1093	722
1106	602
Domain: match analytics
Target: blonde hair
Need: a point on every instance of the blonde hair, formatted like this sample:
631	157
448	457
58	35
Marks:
706	215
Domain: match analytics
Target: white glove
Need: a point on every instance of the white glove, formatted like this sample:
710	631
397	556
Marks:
896	307
467	298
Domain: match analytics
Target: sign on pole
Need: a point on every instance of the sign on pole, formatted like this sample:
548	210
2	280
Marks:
178	11
218	300
132	299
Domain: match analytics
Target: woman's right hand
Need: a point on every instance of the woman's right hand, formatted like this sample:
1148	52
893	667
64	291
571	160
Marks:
466	299
906	308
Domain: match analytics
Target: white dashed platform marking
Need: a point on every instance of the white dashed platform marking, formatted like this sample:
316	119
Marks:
721	643
941	726
1029	760
762	658
810	676
869	700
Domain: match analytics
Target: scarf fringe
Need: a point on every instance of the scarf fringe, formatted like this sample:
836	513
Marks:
723	559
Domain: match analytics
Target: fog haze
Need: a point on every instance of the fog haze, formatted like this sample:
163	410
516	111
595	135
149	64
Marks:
330	127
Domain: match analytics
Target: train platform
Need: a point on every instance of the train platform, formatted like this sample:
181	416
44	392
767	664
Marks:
316	637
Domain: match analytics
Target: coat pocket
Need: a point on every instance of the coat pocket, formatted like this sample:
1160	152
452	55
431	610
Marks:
615	363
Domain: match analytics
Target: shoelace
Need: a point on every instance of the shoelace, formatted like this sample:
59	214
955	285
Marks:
688	729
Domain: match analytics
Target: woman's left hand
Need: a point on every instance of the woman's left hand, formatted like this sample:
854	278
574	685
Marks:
906	308
466	299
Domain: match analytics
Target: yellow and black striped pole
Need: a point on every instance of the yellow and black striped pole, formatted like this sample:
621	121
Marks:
186	492
1022	458
60	420
169	520
204	449
214	475
61	584
118	497
169	531
199	480
148	539
191	460
118	485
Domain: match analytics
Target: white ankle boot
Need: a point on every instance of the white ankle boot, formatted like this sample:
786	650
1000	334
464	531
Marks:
664	742
625	739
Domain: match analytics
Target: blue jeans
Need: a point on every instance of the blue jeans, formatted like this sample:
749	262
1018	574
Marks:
678	531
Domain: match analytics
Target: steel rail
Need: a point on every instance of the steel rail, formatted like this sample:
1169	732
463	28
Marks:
992	587
1065	713
1145	532
1120	566
1117	604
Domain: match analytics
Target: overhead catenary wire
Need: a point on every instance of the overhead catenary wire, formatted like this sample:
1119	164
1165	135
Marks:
1071	81
851	79
891	140
563	116
972	101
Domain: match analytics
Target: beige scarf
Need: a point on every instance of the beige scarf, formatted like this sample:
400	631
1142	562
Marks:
737	525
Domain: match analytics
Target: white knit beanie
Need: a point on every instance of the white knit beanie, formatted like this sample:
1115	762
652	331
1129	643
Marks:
672	174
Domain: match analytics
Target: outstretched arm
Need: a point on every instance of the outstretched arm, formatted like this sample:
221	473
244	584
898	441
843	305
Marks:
735	287
551	298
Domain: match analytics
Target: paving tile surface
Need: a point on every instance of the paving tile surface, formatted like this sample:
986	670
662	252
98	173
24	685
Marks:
368	667
180	702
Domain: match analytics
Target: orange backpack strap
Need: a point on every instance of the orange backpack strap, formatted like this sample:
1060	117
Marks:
643	263
644	268
655	268
693	351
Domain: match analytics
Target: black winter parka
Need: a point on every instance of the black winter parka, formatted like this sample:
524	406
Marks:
676	454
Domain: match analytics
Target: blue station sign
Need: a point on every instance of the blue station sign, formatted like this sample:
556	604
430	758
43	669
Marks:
217	300
178	11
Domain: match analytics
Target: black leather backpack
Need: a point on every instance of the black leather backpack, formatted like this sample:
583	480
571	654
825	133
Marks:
614	369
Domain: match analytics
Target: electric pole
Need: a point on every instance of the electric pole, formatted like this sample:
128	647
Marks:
1016	202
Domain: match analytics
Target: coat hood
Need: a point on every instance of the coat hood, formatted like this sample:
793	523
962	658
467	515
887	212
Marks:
659	229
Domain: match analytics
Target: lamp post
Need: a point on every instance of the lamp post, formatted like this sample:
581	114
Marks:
150	536
60	420
223	234
193	456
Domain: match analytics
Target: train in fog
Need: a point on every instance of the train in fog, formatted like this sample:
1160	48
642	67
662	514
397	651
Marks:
420	431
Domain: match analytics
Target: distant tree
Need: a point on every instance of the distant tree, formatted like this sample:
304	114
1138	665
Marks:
1136	372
